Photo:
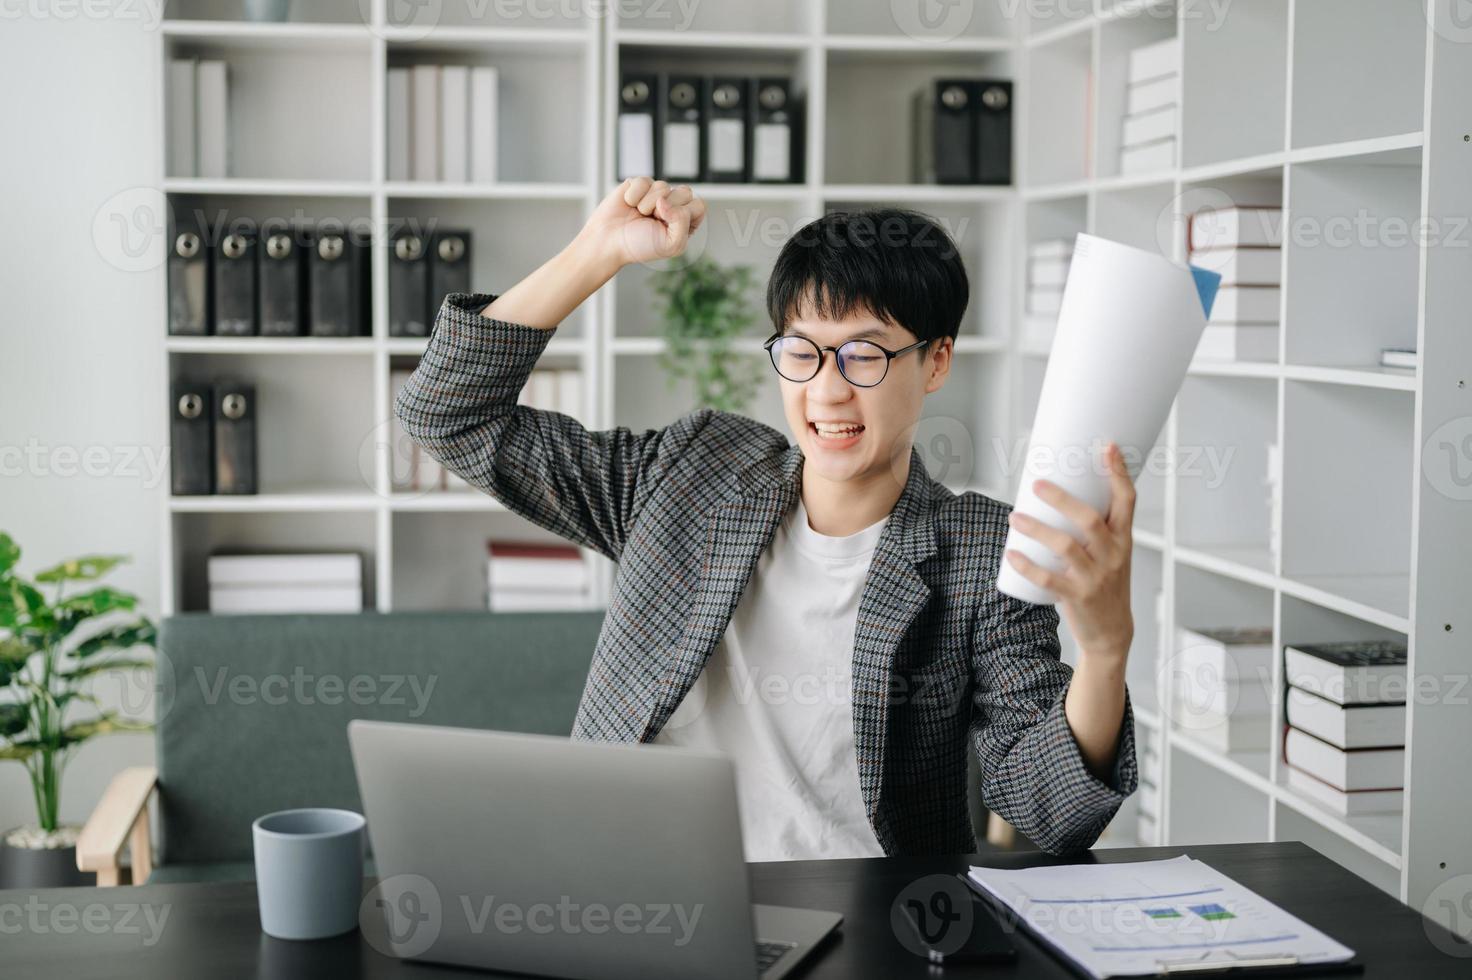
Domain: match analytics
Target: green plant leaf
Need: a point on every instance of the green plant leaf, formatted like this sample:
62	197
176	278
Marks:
122	637
94	602
103	725
9	553
18	751
84	569
102	666
14	718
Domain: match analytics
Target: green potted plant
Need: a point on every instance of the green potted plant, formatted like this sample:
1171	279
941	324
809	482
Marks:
51	651
707	307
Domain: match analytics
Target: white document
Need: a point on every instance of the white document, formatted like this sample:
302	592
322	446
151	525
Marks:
1119	920
454	124
727	148
1128	323
183	148
772	152
484	122
635	145
426	117
681	151
398	124
213	120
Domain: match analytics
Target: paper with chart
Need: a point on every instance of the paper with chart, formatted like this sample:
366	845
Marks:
1120	920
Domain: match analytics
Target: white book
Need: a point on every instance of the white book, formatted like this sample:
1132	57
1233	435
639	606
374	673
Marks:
1370	672
1153	95
399	122
183	106
284	570
297	599
1044	300
1149	61
1243	266
1052	248
1399	357
1359	804
1047	272
212	120
1362	726
1360	769
570	392
454	124
426	122
530	601
1248	342
485	118
1148	158
1245	304
1232	227
538	574
1229	655
1147	127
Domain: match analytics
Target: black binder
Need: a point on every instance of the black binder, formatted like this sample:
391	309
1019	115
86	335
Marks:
235	285
282	284
449	266
992	106
337	286
952	146
191	431
638	136
235	437
681	128
409	312
189	283
774	133
726	135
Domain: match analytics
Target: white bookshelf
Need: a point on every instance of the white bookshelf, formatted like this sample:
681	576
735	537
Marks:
1277	108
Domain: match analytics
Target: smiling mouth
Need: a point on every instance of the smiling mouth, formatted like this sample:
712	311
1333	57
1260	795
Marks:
836	431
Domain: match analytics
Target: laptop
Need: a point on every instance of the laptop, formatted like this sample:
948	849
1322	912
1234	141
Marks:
544	855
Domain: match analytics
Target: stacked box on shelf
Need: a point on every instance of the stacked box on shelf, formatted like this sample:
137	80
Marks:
1221	686
285	583
1047	271
1244	245
1346	714
442	122
525	577
1148	141
1148	822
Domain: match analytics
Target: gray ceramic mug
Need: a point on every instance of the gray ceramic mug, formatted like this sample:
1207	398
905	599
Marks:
309	871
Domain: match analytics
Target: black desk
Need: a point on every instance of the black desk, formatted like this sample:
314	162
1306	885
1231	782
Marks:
213	932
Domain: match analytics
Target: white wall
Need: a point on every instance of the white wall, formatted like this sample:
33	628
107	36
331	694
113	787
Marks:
80	365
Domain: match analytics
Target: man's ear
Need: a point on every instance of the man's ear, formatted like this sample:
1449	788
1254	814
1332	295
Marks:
938	357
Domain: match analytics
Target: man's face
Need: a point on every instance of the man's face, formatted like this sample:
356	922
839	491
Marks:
848	432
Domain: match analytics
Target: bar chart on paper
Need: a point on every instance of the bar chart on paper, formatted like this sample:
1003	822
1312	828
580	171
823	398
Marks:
1151	917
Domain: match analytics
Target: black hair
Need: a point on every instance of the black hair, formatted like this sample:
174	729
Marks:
898	265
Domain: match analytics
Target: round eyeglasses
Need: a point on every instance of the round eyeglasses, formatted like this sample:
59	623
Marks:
861	362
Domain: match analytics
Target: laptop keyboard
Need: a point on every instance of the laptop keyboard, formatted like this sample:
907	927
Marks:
768	953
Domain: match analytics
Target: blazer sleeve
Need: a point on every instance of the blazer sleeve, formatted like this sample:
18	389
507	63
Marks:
1032	772
460	406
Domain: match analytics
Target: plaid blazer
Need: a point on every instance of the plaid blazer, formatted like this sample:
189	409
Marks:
940	657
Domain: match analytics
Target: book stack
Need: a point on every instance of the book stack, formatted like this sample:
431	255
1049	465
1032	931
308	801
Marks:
1346	713
199	98
1047	271
1244	245
286	583
536	577
1404	358
551	390
1222	683
1147	832
442	122
1148	141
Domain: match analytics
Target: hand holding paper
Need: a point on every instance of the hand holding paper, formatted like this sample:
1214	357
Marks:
1129	322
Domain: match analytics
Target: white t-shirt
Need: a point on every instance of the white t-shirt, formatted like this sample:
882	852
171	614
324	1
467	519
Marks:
776	696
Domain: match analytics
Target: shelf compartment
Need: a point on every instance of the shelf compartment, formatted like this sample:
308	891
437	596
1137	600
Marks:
1333	97
198	535
1118	36
1353	258
542	133
510	238
870	108
989	21
1223	498
645	398
1203	807
1347	487
982	233
1369	846
1138	216
1146	599
1059	112
961	435
287	120
1234	83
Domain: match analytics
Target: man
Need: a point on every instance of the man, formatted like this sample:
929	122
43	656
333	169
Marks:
824	612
